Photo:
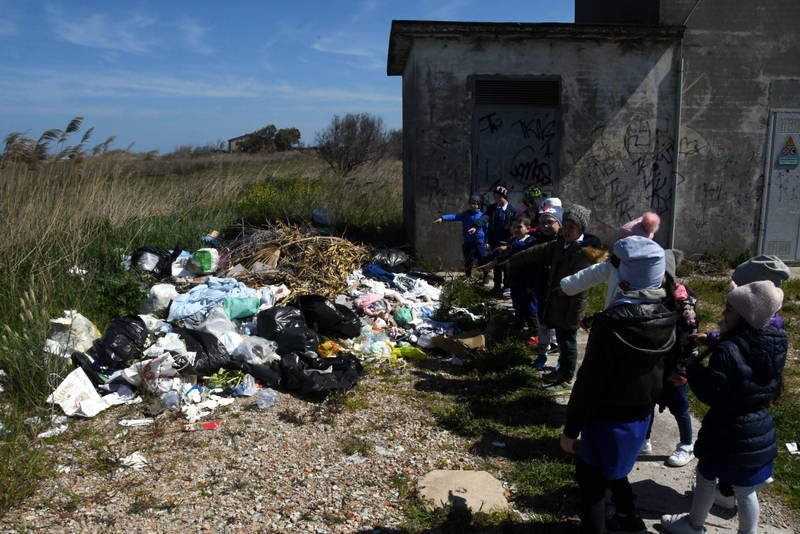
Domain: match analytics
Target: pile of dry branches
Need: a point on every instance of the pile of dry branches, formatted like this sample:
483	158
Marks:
307	263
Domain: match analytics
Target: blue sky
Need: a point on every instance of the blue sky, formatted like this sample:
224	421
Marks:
161	74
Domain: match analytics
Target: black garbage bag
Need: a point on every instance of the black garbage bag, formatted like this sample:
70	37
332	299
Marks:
392	259
308	374
273	320
210	354
329	318
124	340
296	339
268	374
143	258
96	373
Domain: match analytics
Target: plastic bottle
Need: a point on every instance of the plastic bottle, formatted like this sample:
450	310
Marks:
170	400
266	399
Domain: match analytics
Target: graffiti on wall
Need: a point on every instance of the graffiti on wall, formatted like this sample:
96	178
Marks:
517	147
629	168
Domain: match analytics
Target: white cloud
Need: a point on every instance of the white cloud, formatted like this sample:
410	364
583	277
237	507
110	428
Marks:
348	39
195	36
335	44
99	30
25	85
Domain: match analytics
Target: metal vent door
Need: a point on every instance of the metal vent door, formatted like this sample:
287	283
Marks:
782	217
516	135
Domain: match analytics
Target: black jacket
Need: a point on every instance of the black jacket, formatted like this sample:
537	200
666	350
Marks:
741	380
621	374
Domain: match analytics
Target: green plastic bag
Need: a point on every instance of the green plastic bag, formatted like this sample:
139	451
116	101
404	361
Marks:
409	353
206	259
403	316
238	307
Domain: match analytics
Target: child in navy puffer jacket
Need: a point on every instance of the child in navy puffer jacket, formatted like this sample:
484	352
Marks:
737	443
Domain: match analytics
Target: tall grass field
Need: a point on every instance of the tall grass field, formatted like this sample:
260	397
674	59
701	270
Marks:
63	217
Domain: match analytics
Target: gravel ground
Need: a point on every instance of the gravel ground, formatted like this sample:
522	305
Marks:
299	467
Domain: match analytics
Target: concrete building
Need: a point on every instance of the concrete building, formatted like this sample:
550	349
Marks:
679	106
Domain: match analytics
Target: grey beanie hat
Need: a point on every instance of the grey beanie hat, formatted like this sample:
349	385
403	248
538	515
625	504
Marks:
579	215
760	268
673	257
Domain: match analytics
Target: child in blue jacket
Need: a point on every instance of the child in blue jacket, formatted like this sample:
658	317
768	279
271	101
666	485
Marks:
474	247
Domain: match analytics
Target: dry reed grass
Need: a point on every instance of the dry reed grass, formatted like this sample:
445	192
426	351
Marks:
309	264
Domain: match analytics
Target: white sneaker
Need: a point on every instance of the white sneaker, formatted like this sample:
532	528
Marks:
684	453
726	502
647	447
679	524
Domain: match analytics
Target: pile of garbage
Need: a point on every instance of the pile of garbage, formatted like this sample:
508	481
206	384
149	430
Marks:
278	309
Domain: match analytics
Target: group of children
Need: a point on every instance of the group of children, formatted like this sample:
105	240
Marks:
644	350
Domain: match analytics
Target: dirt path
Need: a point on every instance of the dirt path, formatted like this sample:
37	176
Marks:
661	489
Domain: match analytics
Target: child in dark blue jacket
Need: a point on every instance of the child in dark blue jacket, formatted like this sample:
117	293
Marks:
474	247
497	224
522	297
737	442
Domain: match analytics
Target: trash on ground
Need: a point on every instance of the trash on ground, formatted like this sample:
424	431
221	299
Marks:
60	429
70	332
136	422
266	399
792	448
134	461
205	425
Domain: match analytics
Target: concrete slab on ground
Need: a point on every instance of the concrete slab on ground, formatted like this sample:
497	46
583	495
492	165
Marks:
477	490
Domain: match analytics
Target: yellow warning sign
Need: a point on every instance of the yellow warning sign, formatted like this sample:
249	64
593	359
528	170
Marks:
789	153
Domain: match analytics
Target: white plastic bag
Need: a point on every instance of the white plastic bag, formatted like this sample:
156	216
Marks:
158	298
148	261
256	350
217	323
76	396
69	333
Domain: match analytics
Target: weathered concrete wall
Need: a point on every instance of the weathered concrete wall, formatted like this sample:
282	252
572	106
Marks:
741	59
617	119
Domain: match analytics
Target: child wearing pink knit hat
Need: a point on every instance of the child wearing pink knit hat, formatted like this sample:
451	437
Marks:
644	226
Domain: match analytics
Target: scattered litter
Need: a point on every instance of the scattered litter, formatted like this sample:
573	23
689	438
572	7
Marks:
134	461
3	430
60	429
498	444
454	360
76	396
266	399
77	271
792	448
136	422
389	452
205	425
70	332
63	469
